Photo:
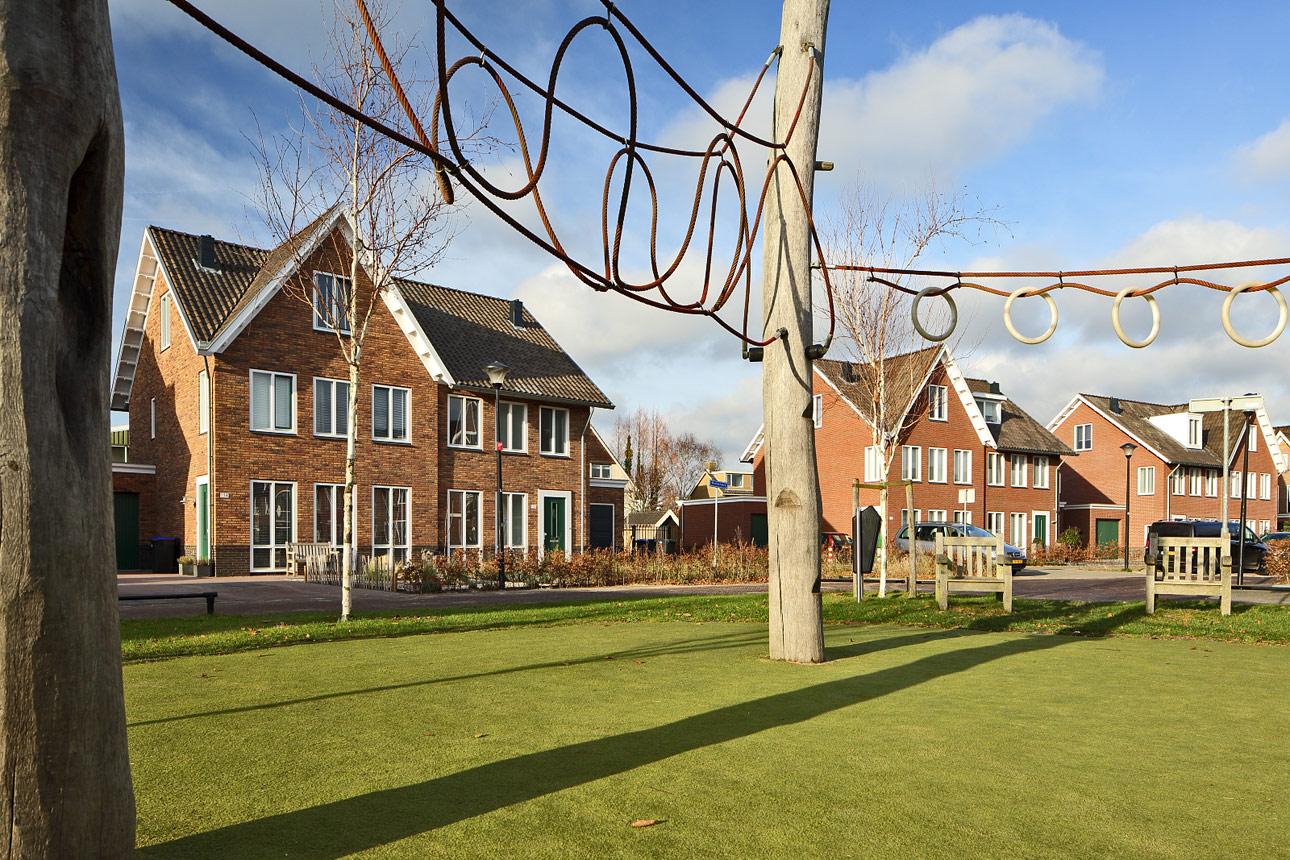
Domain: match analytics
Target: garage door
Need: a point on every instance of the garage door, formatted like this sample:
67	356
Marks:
601	531
126	510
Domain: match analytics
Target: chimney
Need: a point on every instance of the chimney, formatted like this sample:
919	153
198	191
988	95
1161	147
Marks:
206	252
1114	405
994	388
517	313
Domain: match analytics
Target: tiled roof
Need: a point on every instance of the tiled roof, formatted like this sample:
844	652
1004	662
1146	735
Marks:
904	375
1134	417
1017	430
208	296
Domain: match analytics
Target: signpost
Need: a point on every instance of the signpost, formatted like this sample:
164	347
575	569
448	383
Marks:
967	497
716	485
1248	404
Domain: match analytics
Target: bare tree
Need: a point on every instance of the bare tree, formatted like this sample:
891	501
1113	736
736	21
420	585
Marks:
665	466
394	223
64	769
684	459
891	360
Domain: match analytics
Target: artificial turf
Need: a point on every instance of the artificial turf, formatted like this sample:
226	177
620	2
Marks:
540	741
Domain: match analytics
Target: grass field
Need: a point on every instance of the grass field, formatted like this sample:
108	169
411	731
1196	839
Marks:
547	741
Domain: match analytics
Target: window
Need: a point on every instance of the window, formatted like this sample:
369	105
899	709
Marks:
463	421
817	411
962	466
273	524
937	516
463	519
331	303
1211	483
390	408
989	410
331	407
1252	438
1197	480
515	512
911	458
1146	480
1178	482
152	412
1020	462
329	514
994	469
735	479
1265	487
390	523
600	470
904	517
936	403
963	518
203	402
936	465
994	523
513	427
1234	488
872	464
1193	432
1083	437
273	402
554	431
1251	485
164	320
1040	465
1017	535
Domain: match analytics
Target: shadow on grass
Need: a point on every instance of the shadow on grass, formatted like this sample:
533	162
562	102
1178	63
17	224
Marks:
333	830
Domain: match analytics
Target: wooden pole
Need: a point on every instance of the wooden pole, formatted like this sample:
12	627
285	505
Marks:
858	584
793	488
913	542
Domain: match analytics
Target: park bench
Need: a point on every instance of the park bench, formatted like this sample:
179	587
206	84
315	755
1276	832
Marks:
304	559
1191	567
972	565
176	595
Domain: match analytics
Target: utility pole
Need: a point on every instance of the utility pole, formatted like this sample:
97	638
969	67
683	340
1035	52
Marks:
793	487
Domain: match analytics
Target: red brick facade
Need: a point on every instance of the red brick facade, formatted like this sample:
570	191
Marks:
734	520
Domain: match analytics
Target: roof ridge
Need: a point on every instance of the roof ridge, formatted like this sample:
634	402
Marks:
1132	400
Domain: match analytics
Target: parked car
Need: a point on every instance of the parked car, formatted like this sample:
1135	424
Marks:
925	539
1255	549
1271	536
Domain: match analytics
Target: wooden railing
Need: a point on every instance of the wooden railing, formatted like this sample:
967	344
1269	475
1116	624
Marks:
972	565
1192	567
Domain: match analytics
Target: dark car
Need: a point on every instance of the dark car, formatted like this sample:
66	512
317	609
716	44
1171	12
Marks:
1271	536
925	539
1255	550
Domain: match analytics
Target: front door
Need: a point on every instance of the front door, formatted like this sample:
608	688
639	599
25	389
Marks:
1041	527
126	509
760	530
554	519
203	519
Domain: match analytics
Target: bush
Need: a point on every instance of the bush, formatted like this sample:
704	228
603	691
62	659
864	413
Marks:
1278	560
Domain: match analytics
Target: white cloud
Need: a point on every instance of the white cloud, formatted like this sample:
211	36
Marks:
1267	157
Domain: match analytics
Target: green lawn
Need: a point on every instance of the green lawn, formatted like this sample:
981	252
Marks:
533	742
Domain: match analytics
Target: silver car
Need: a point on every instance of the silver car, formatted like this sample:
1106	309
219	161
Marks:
925	539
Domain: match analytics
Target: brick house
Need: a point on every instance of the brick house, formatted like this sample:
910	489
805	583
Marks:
236	392
739	510
957	433
1283	479
1175	472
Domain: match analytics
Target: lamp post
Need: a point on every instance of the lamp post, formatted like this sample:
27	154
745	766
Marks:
1128	448
496	376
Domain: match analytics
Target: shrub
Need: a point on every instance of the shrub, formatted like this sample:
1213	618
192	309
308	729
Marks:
1278	560
186	559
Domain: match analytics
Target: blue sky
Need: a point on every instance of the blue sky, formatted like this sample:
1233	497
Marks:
1106	134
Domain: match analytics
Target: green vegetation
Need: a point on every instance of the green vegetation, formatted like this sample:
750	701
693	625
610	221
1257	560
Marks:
538	742
223	634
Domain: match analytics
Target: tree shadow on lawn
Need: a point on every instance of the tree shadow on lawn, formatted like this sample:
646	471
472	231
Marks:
340	828
1078	615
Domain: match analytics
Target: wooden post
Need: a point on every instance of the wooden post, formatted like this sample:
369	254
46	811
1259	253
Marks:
913	543
857	586
793	488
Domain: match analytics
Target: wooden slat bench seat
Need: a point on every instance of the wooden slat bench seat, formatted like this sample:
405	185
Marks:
972	565
176	595
304	559
1192	567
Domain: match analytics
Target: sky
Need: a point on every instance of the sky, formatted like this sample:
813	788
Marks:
1100	134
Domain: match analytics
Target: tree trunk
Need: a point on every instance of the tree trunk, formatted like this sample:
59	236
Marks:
66	774
793	488
348	554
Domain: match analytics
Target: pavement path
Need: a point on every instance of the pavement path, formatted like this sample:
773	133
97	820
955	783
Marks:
255	595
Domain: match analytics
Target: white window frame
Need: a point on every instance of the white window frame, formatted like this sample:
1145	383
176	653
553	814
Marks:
339	407
1019	529
163	320
993	469
273	546
602	470
1039	471
994	523
337	502
1178	482
1251	485
936	465
735	480
462	401
911	463
935	516
990	411
904	517
390	548
817	411
203	402
508	408
1252	438
450	516
338	310
1234	479
152	412
872	464
1087	443
1195	481
564	447
1211	483
1146	480
391	439
1019	477
508	497
1265	486
962	517
936	399
967	466
273	402
1193	433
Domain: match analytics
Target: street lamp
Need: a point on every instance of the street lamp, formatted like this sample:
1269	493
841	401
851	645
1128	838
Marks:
1128	448
496	376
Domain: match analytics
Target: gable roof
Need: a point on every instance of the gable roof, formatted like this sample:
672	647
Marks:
843	378
1017	430
651	518
208	296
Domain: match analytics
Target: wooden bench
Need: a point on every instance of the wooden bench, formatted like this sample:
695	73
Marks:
304	559
1192	567
176	595
973	565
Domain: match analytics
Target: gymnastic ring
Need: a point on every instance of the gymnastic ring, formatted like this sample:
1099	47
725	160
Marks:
1227	316
1012	330
1119	330
954	314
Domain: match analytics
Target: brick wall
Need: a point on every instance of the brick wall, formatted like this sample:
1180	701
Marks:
734	521
145	486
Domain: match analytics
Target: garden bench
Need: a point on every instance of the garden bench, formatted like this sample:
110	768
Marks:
176	595
1191	566
973	565
304	559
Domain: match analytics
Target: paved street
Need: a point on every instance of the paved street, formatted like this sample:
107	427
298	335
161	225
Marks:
253	595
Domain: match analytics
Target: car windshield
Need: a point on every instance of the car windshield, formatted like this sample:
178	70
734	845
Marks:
976	531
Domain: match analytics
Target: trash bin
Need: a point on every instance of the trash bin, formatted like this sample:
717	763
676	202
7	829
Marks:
165	555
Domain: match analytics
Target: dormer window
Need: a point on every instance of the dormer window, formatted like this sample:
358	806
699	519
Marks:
989	410
736	480
331	303
1193	432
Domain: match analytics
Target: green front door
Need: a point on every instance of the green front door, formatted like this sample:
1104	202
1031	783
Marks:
1108	532
126	510
553	523
760	532
203	521
1041	529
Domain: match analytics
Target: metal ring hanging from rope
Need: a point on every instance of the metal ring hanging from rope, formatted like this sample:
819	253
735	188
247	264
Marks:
1012	330
954	314
1119	330
1250	342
